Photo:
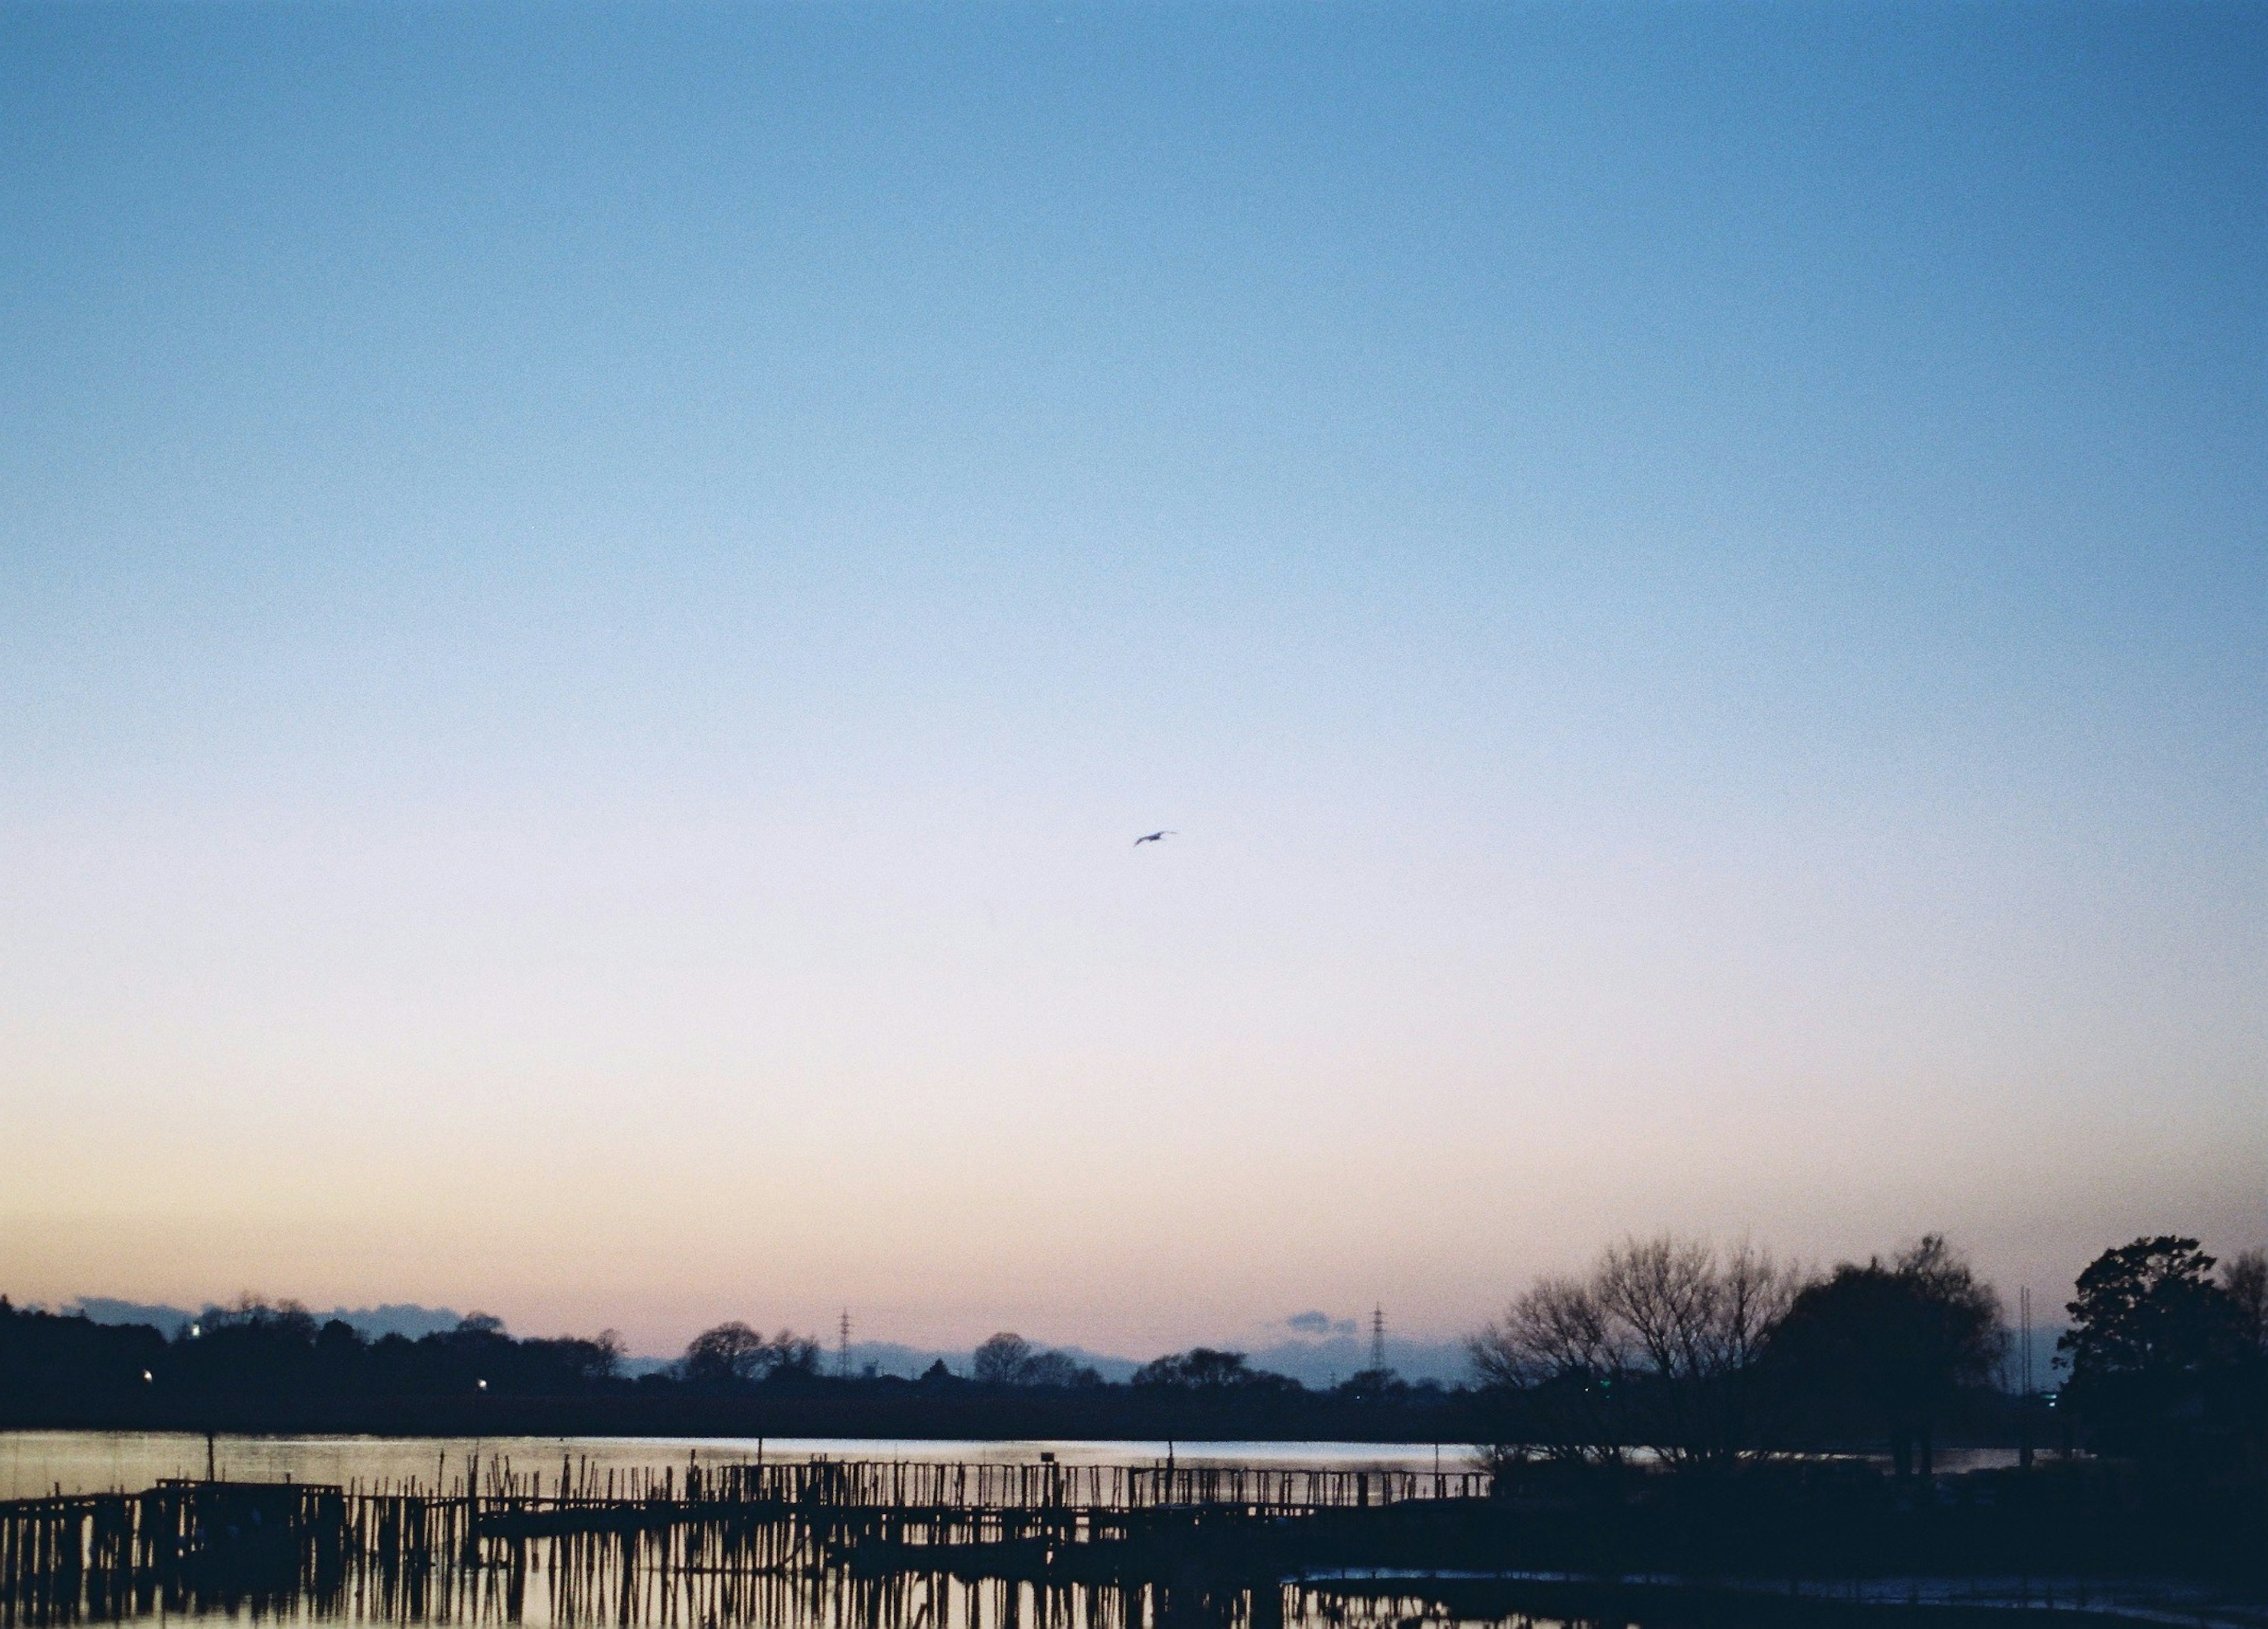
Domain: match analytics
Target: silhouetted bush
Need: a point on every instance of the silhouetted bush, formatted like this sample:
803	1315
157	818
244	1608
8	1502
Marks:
1204	1369
1888	1352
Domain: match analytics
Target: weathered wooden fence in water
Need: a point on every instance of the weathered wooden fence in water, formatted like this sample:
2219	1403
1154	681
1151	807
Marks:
715	1543
904	1485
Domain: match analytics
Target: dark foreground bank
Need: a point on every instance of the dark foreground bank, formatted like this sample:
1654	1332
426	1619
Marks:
719	1543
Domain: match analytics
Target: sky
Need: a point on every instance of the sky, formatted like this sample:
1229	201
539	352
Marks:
592	599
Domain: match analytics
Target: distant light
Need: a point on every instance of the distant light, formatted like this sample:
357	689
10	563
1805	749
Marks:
146	1377
482	1384
195	1330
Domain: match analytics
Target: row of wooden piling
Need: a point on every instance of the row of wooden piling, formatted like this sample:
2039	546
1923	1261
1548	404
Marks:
978	1485
611	1546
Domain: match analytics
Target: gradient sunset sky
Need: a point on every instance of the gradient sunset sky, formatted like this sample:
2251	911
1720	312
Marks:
592	599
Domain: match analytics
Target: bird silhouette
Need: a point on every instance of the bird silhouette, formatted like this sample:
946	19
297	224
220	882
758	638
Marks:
1155	837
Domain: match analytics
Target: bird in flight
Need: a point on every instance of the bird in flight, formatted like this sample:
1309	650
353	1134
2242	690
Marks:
1155	837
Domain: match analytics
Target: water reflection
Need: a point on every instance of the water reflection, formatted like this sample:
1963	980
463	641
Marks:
583	1586
266	1553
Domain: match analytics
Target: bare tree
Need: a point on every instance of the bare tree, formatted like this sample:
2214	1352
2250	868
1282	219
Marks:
730	1352
1057	1368
1000	1361
1658	1345
1557	1350
734	1353
1698	1320
1008	1359
1662	1292
791	1353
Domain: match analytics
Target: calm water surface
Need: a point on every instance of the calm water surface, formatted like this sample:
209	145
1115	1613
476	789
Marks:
596	1584
590	1585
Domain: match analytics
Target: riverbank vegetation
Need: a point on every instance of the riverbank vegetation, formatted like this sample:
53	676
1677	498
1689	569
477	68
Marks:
1667	1353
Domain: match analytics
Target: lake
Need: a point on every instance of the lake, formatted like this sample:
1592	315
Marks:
788	1576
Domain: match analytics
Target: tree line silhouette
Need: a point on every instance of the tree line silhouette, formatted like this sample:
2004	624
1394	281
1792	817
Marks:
1698	1357
1667	1351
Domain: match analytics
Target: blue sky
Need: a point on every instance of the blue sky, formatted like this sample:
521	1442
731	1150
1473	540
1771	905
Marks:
591	598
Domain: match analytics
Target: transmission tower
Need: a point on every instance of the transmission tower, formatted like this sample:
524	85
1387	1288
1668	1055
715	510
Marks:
842	1345
1378	1337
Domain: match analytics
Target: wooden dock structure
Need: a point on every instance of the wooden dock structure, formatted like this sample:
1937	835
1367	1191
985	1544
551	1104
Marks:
714	1539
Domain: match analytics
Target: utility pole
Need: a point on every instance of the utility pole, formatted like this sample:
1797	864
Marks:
2024	1439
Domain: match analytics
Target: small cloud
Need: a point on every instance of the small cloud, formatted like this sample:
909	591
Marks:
1319	1323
